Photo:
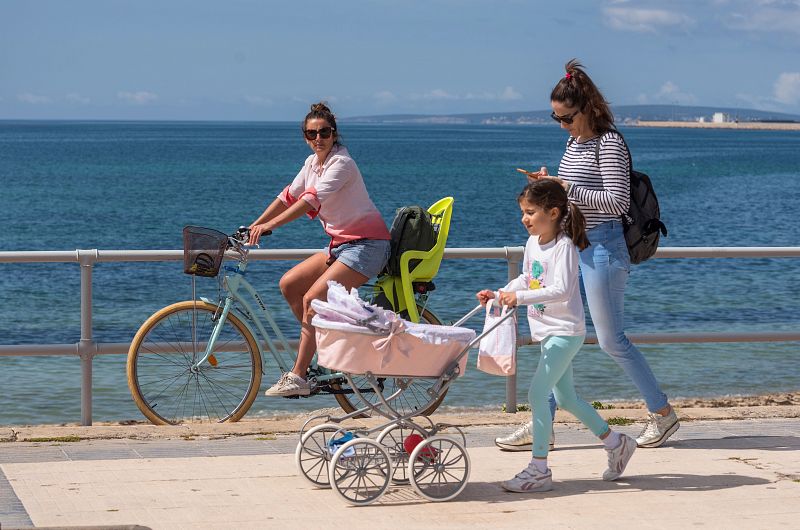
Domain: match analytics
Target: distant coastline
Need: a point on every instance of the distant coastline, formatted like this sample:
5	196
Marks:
759	125
647	115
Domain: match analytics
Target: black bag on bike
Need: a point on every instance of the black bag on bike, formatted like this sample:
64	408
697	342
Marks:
642	224
412	229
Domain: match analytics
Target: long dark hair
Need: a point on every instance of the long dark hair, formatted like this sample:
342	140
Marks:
576	89
548	194
321	110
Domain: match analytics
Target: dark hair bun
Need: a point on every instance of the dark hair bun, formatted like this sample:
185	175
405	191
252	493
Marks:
320	107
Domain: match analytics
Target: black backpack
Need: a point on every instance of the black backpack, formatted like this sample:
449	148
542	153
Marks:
412	229
642	224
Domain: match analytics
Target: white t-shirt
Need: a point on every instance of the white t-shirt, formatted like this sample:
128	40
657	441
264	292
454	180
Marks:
550	288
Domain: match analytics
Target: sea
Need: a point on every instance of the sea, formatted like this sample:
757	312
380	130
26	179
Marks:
67	185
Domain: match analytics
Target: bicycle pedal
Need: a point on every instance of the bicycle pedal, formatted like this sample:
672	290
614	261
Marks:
292	397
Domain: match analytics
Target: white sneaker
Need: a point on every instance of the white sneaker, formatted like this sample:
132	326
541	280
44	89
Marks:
290	384
619	457
658	429
522	439
529	480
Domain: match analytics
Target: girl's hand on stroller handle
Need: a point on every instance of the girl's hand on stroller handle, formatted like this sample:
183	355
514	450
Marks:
507	298
484	296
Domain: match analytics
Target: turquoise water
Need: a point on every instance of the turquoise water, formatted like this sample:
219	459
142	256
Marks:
108	185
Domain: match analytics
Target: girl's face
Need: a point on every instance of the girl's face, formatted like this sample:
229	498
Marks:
318	128
537	220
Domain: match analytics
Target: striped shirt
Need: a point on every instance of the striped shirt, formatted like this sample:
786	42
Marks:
602	193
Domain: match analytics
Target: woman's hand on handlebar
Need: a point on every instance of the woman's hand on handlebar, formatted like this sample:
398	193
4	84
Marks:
258	230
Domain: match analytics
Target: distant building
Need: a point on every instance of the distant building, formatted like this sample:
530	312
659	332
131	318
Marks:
719	117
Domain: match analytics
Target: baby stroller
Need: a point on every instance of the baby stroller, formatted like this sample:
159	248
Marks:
355	337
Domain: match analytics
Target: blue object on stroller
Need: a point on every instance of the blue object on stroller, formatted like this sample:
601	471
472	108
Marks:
335	443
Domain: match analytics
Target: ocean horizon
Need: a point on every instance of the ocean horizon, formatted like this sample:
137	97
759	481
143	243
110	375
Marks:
133	185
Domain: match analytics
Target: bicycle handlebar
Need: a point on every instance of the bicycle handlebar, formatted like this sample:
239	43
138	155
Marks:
238	240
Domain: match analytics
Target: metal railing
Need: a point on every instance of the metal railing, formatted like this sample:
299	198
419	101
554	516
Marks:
86	348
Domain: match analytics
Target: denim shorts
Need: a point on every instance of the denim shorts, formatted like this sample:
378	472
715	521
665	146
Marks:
365	256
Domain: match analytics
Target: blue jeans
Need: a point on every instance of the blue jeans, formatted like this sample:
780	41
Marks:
605	266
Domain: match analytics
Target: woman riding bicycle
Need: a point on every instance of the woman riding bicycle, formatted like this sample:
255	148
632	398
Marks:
330	187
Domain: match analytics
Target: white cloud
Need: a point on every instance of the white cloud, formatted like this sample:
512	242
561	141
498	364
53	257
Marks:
34	99
138	98
787	88
786	93
644	20
435	94
764	16
385	97
668	93
758	102
507	94
77	98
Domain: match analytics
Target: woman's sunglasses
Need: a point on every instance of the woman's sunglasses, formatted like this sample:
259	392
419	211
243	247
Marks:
566	119
324	133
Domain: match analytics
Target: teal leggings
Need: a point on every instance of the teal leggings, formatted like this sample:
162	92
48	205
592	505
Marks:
554	373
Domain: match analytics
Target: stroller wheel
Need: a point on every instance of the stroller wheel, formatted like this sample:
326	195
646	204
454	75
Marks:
360	471
393	439
439	468
312	455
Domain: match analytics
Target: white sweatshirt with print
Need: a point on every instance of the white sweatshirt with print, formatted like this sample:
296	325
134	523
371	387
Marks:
549	286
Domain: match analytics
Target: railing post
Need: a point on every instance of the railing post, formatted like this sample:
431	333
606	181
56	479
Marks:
511	380
86	347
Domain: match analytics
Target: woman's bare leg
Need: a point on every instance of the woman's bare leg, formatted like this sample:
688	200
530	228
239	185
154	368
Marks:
319	291
299	279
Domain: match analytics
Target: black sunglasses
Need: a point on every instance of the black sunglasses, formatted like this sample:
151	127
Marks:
324	133
566	119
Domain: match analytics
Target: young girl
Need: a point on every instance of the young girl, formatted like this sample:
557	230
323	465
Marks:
329	187
549	287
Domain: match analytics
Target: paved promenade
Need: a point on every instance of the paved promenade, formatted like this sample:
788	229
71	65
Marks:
713	474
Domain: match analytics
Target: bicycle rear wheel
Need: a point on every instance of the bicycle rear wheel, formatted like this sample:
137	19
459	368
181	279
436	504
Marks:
161	375
413	399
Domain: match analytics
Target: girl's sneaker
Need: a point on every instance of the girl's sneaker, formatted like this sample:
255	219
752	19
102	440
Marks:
529	480
619	457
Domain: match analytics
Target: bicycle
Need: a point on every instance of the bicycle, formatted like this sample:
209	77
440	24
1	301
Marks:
200	360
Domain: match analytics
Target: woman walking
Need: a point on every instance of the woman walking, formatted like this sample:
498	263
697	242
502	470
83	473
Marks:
602	192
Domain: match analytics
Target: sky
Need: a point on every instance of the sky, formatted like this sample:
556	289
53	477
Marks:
264	60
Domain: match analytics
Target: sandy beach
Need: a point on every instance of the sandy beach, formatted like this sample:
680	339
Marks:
772	126
778	405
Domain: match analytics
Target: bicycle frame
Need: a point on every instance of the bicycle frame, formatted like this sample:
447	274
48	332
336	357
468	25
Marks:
234	284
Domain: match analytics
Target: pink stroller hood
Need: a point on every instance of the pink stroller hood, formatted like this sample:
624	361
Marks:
356	337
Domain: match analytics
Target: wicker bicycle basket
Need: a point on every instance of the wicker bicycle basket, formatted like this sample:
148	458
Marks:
203	251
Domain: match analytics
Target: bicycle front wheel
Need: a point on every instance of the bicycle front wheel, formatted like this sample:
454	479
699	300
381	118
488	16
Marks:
413	399
168	385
